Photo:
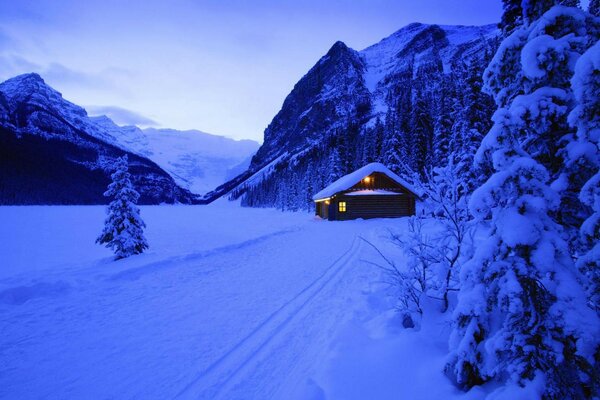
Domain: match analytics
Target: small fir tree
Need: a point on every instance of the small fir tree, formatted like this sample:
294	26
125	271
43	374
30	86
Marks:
124	229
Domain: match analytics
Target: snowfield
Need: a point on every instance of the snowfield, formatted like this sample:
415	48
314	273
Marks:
228	303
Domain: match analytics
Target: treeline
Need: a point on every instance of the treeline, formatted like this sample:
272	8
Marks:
432	115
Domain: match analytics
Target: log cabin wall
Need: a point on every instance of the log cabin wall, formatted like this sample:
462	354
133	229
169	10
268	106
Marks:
372	206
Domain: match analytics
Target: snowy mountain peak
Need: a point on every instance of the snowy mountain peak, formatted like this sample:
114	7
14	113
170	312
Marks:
38	119
22	86
31	89
334	107
22	81
338	46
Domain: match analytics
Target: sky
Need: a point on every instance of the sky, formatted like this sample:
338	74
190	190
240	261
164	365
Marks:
222	67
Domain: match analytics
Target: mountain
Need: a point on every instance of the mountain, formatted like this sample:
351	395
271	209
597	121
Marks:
51	152
408	101
196	160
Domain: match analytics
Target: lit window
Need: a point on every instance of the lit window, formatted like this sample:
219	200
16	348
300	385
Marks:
342	206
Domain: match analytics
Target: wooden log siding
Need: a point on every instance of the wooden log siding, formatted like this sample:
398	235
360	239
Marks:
373	206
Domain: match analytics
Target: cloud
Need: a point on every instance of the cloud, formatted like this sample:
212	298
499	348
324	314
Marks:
57	75
121	116
62	77
6	41
61	74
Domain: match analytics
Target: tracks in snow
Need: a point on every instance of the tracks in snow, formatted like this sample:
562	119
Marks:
221	374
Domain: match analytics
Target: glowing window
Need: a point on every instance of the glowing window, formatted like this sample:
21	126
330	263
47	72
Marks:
342	206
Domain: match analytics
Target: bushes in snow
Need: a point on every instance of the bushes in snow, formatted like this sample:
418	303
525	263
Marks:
434	255
124	229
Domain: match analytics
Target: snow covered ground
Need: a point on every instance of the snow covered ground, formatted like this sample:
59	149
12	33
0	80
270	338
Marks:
229	303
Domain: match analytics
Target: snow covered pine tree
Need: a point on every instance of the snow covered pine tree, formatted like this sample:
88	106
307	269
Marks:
585	154
522	316
124	229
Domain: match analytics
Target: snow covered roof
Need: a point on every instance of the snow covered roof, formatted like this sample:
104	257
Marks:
373	193
347	181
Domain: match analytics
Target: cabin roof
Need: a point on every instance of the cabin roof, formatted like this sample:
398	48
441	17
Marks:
373	193
347	181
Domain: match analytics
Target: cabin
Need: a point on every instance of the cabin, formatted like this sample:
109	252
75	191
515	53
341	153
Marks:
372	191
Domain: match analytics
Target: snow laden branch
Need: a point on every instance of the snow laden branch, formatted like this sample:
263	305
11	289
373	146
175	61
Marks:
124	229
522	319
434	244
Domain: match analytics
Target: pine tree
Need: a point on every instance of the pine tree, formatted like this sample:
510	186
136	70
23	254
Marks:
534	9
520	311
334	166
583	158
570	3
124	229
594	7
512	16
393	149
531	73
514	314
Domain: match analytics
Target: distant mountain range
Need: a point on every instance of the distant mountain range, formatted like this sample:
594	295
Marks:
413	99
352	106
52	152
196	160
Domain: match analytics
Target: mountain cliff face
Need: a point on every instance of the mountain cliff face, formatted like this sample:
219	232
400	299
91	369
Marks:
332	91
51	152
409	101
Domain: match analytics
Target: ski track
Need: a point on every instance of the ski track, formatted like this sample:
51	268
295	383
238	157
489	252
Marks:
219	377
247	320
173	262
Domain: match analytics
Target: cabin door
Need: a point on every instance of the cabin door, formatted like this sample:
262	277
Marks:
324	209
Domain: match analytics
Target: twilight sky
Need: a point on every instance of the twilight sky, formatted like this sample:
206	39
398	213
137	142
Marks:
223	67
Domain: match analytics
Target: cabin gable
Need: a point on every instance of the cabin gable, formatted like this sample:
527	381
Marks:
375	181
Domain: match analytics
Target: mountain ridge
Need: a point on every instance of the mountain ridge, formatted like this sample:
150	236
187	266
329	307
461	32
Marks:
344	95
46	139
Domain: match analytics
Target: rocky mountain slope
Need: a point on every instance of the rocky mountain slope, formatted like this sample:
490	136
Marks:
51	152
411	95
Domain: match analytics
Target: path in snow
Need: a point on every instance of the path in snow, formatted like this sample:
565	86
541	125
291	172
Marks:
248	319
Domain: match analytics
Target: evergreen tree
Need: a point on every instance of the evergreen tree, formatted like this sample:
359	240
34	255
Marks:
570	3
393	149
534	9
334	169
583	158
531	73
512	16
124	229
515	314
594	7
520	311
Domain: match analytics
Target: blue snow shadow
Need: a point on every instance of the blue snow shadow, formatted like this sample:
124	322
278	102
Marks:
21	294
138	272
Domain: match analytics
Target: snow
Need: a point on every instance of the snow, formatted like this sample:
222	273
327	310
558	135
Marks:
347	181
381	59
228	302
196	160
373	193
